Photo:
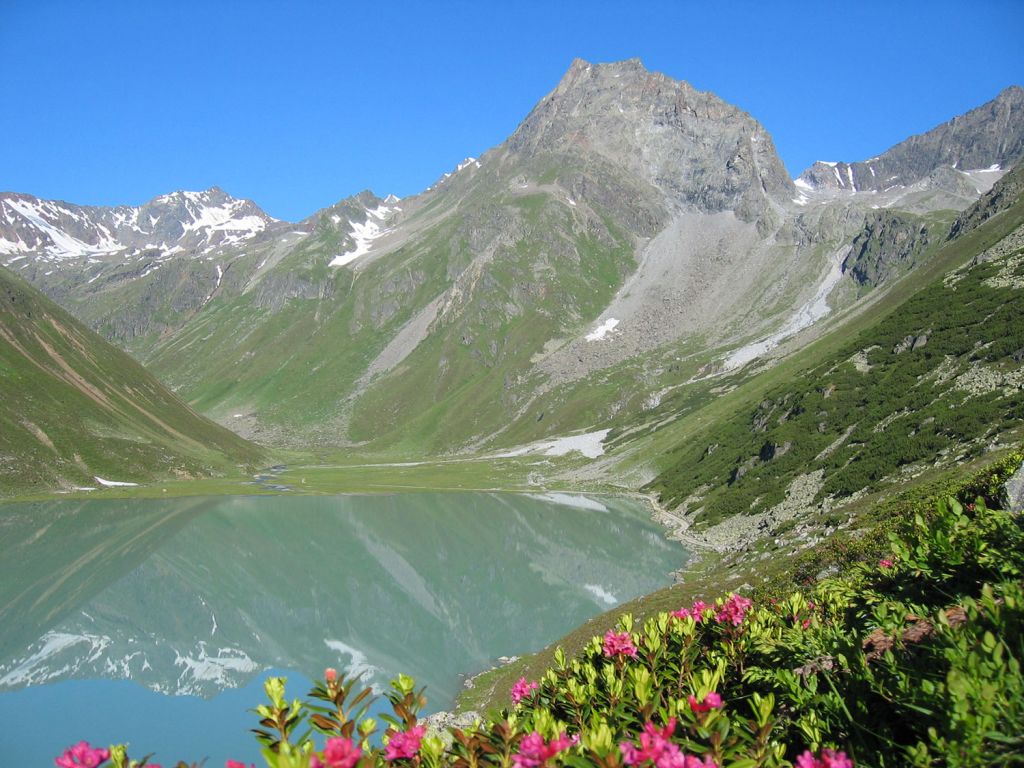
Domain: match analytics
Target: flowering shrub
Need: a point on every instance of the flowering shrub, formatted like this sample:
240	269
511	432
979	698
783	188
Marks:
914	660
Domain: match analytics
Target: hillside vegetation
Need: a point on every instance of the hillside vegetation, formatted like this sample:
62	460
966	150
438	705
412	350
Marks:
936	378
75	407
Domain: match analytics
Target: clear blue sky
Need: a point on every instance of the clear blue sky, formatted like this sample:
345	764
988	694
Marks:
299	104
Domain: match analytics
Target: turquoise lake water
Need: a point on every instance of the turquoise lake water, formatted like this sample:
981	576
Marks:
155	622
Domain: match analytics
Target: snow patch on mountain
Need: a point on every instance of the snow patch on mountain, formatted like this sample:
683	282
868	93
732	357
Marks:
364	234
599	333
590	444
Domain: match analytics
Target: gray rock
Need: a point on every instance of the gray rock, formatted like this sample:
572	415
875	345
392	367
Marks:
1012	495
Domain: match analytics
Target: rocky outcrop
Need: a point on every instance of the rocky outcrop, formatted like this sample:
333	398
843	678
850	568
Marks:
1003	194
887	247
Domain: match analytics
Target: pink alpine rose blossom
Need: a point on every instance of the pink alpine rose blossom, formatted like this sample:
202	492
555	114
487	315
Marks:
885	562
618	644
656	746
330	674
522	689
82	755
711	701
404	744
535	752
734	610
236	764
697	611
829	759
340	752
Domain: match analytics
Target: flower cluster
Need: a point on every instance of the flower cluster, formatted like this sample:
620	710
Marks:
695	612
404	744
534	751
828	759
618	644
338	753
233	764
522	689
711	701
82	755
886	562
734	610
657	747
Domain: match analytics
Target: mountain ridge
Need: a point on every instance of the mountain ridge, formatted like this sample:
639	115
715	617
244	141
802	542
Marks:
629	228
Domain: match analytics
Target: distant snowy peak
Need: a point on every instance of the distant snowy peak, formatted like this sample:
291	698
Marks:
197	223
364	226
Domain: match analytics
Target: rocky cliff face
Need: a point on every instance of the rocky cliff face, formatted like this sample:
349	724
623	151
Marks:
696	149
888	246
978	145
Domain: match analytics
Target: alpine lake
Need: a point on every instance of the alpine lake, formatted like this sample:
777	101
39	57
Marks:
155	622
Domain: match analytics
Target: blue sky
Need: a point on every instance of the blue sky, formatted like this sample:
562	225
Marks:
299	104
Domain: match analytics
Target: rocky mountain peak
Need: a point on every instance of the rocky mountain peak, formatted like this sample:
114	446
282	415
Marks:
699	151
972	149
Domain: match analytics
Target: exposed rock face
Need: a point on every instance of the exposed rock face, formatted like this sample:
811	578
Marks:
991	135
698	150
1012	495
1003	194
888	246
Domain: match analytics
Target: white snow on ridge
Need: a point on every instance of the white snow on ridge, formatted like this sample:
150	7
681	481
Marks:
602	330
63	243
804	184
466	163
364	234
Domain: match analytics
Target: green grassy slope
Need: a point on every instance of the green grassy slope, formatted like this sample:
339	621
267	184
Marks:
72	406
939	375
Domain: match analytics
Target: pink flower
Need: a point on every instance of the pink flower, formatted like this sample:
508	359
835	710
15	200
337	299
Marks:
82	755
682	613
699	606
618	644
404	744
236	764
522	689
330	674
344	753
535	752
885	562
314	761
657	747
733	610
829	759
711	701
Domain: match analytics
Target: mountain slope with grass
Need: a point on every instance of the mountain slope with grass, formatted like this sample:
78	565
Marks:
631	233
77	411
